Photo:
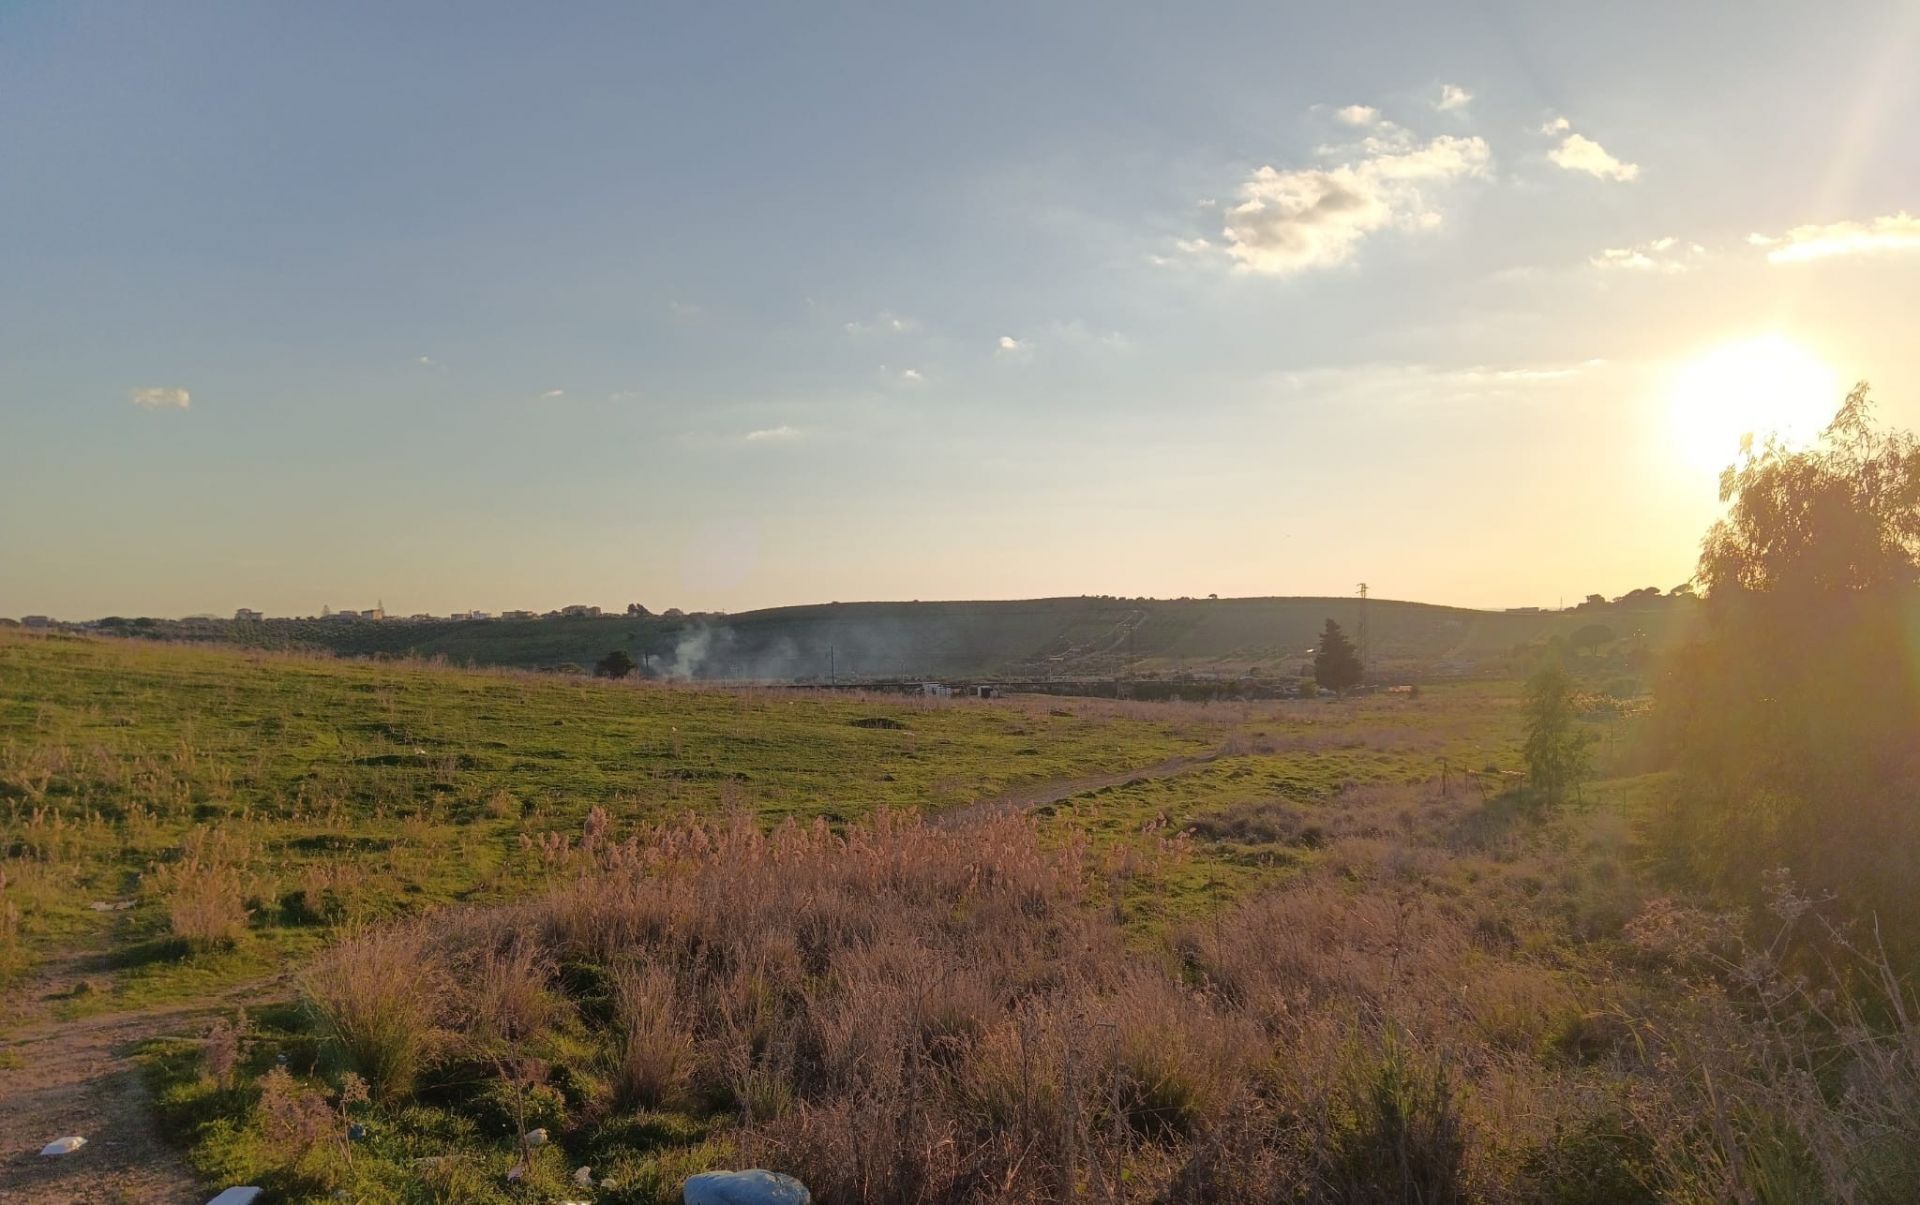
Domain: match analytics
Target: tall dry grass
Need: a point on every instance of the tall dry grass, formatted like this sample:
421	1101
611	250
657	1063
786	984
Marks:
898	1012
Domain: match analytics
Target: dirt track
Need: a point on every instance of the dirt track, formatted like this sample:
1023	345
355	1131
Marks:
78	1077
1039	794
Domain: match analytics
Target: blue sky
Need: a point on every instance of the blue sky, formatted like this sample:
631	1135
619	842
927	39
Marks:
720	306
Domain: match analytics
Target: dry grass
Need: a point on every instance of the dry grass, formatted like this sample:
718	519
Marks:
904	1013
206	889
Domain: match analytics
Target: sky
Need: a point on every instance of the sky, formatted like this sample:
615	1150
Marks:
719	306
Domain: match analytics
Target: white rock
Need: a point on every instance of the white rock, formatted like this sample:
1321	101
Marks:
583	1176
755	1187
536	1137
235	1196
64	1146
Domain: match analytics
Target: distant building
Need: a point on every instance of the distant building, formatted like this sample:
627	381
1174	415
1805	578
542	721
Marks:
518	615
422	615
247	615
580	612
36	621
374	613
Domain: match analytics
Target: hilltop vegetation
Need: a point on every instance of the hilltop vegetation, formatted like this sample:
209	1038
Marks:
1038	638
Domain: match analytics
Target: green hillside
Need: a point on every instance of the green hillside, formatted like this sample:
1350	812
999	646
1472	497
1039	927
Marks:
1085	637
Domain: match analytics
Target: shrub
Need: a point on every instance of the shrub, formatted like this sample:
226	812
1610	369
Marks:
653	1059
379	996
220	1053
1403	1139
205	890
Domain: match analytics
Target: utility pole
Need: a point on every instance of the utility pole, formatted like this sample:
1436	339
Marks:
833	672
1365	659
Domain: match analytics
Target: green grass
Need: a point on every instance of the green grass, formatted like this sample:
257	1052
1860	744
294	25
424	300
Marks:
356	791
418	783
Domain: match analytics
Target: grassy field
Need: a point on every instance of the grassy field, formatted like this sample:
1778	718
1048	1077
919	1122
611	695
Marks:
344	791
1300	950
386	787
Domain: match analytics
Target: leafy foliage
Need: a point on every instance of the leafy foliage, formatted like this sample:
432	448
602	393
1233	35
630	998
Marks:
1557	750
1336	664
1793	715
616	664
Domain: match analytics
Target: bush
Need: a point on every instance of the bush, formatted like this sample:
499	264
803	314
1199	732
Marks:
379	997
1403	1139
205	890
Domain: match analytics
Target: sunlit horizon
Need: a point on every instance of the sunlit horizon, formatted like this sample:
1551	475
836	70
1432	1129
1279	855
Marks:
357	304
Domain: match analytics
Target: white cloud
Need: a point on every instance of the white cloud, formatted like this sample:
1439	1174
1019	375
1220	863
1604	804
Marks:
1076	333
778	434
1410	384
1895	232
912	376
1452	97
1290	221
1578	153
1664	255
553	395
685	309
1358	115
427	362
882	323
1556	125
1010	346
157	398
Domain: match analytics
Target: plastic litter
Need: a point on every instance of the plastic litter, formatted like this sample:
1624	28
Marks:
235	1196
64	1146
111	905
755	1187
583	1176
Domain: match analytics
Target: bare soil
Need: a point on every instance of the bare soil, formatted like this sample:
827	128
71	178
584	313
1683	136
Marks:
79	1077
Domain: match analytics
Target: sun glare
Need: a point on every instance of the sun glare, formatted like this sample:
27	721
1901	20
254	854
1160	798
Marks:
1767	385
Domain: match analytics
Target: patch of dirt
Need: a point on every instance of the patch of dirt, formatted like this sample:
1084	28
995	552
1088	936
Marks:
1039	794
79	1077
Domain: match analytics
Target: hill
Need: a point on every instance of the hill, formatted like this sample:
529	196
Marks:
1033	639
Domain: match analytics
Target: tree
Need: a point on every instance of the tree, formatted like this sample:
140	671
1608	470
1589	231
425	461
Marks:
1791	714
1591	637
614	665
1336	665
1557	753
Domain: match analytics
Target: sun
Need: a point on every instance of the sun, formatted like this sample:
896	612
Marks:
1760	386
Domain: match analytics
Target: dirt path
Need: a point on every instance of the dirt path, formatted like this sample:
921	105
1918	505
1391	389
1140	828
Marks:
78	1077
1039	794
